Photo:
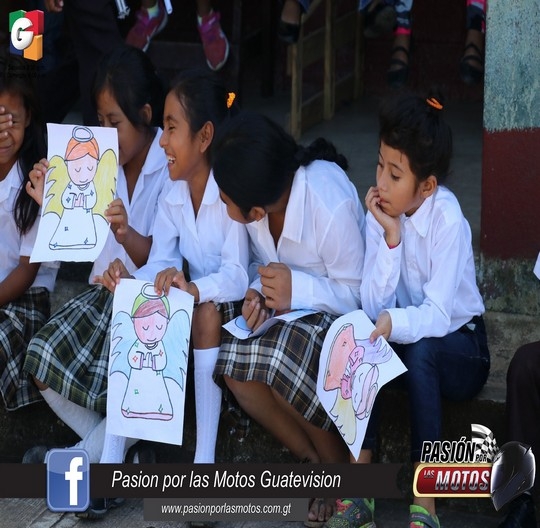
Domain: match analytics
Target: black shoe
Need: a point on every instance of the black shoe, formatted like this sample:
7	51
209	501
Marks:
288	32
471	67
35	455
397	77
521	513
99	507
141	453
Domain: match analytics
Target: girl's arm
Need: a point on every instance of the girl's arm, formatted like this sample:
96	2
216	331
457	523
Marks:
18	281
136	245
381	271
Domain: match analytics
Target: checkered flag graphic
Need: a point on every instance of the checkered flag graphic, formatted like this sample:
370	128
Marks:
486	445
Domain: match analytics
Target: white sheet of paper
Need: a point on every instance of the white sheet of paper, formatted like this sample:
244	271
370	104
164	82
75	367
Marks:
238	326
351	372
79	186
148	362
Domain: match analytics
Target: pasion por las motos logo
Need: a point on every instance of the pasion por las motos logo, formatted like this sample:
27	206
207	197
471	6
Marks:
26	28
475	468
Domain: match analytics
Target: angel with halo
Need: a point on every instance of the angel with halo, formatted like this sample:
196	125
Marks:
80	187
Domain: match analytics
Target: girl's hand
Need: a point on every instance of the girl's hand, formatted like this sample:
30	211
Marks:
383	327
390	224
276	280
112	275
117	216
170	277
6	122
254	310
35	187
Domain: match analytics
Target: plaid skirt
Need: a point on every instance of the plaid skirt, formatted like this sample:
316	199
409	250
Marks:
71	352
285	358
19	321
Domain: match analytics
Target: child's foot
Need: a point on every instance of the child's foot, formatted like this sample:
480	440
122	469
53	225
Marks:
289	23
353	513
420	517
215	43
379	19
150	21
320	510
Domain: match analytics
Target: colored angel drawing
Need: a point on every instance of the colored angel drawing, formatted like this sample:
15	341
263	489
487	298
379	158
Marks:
352	372
151	350
81	185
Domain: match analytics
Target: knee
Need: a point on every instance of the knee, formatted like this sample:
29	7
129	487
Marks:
206	326
39	384
238	388
525	364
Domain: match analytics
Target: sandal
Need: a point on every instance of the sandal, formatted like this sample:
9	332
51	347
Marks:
353	513
319	504
419	517
396	78
469	71
379	20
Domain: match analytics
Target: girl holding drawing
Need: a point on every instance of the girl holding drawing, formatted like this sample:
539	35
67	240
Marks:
68	358
419	279
305	224
24	286
192	224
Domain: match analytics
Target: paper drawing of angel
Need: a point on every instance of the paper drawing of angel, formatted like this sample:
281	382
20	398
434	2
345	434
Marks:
352	372
150	355
80	186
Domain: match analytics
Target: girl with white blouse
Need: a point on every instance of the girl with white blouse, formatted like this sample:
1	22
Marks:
194	233
305	224
419	283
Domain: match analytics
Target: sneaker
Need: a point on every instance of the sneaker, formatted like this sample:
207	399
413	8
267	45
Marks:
145	27
420	517
98	508
353	513
215	43
141	453
35	455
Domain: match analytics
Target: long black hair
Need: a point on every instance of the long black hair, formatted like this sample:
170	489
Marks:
415	126
17	77
254	160
203	97
131	78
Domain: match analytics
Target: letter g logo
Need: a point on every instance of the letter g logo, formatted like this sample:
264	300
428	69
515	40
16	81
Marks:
20	38
26	33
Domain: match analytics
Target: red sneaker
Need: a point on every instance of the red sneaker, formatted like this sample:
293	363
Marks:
145	27
215	43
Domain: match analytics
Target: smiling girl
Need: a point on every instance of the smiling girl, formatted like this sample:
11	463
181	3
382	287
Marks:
24	287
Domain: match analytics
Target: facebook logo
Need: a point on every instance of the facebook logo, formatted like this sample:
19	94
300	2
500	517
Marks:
68	480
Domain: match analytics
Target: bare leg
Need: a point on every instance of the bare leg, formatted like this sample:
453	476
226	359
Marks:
258	400
203	7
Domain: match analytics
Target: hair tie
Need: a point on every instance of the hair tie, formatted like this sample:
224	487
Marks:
434	103
230	99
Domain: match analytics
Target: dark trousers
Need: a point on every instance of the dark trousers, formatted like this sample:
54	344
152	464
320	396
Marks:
523	397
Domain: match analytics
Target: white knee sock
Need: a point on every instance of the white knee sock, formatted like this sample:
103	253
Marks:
207	404
113	449
92	443
80	419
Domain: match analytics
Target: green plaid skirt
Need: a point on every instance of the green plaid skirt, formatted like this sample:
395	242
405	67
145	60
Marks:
285	358
19	321
70	354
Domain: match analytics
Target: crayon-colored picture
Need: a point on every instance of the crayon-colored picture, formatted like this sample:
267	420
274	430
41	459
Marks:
351	372
150	336
79	185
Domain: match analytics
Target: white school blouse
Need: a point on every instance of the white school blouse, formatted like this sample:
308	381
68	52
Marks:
215	247
322	240
141	210
14	245
428	282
